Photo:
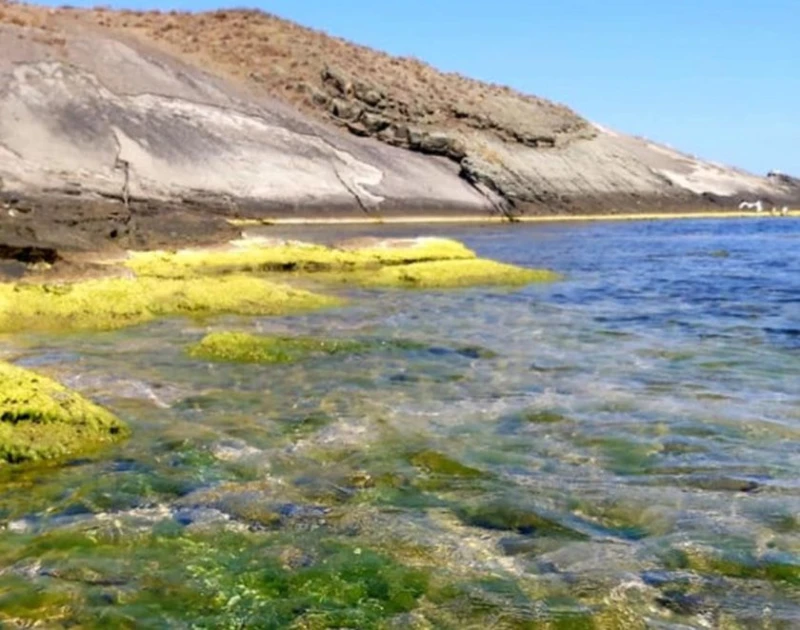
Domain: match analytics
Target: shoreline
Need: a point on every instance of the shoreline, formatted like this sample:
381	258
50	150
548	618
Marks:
573	218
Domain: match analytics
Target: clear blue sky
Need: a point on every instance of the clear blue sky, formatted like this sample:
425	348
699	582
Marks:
717	78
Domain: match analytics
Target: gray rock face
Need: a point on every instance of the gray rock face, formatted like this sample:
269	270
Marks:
171	132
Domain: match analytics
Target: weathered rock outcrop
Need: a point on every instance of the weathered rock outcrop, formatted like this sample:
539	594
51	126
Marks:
139	129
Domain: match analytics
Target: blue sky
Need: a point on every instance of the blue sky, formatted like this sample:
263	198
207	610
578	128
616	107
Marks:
717	78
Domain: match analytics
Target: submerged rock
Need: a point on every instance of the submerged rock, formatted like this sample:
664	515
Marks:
504	515
40	419
734	562
435	463
247	348
528	418
264	504
240	347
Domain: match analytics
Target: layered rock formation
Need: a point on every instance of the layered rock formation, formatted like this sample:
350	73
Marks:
138	129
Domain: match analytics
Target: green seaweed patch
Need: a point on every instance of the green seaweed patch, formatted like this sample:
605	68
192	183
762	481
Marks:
406	496
41	419
307	424
542	416
292	257
740	563
625	456
27	607
623	518
240	347
216	580
113	303
437	464
237	347
448	274
503	515
520	420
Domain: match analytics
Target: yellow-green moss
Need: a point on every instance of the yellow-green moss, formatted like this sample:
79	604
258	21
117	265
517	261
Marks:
448	274
41	419
114	303
246	348
292	257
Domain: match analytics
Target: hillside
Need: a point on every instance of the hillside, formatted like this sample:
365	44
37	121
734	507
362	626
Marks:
129	116
367	91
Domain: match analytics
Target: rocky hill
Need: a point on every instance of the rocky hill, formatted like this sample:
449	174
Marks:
141	128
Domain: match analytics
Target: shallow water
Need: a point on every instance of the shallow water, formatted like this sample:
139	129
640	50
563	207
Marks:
620	449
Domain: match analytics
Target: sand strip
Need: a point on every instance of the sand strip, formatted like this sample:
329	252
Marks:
638	216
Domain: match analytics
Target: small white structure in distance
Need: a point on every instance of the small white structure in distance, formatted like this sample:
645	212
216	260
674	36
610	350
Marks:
758	206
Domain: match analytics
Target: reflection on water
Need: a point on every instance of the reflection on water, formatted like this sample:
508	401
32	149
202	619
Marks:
617	450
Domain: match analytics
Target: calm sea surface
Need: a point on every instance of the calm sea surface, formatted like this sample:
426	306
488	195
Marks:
620	449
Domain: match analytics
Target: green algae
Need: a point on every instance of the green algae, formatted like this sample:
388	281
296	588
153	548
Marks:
740	562
40	419
291	257
446	274
517	420
115	303
307	424
542	416
624	456
241	347
218	579
505	515
624	518
246	348
437	463
29	607
201	283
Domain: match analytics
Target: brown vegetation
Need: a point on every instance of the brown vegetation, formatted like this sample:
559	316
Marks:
366	91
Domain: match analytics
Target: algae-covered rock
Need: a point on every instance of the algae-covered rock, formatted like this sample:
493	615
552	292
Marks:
238	347
40	419
114	303
450	274
254	256
247	348
542	416
505	515
436	463
736	562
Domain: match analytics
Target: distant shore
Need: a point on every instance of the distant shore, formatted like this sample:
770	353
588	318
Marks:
562	218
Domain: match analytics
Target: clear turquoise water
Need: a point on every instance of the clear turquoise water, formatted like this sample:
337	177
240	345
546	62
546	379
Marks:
628	441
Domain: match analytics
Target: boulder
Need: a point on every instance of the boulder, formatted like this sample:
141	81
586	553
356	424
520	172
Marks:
358	129
368	94
535	141
319	98
374	123
337	80
345	110
41	419
438	143
415	138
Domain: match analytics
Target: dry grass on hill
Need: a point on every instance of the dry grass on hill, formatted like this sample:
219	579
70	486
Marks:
288	60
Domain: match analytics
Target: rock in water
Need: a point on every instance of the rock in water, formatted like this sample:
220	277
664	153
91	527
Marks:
41	419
